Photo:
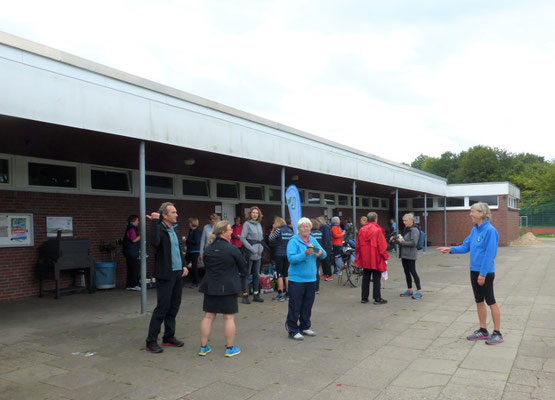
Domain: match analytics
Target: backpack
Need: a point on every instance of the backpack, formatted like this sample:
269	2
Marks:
421	240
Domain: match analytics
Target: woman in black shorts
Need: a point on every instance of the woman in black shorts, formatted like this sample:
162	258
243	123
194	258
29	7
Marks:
222	282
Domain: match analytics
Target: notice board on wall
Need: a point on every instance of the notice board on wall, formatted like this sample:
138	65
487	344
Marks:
16	230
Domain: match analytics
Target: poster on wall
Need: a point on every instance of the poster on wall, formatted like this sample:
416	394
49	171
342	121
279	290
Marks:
16	230
55	224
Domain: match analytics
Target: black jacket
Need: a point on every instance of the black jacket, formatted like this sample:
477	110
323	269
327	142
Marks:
130	249
193	240
224	265
160	241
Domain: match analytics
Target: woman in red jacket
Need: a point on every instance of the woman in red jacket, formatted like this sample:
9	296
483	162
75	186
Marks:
371	255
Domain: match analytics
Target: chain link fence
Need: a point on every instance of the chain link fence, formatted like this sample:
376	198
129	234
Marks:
539	212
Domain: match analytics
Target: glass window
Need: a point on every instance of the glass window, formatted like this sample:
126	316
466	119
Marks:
52	175
313	198
275	194
489	200
254	192
342	200
110	180
375	203
455	201
192	187
441	202
384	203
358	201
329	199
402	203
365	202
4	171
301	192
419	202
227	190
159	184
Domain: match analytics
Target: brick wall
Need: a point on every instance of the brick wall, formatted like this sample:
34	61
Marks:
97	218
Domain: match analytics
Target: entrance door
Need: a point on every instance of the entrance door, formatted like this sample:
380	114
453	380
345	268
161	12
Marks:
228	212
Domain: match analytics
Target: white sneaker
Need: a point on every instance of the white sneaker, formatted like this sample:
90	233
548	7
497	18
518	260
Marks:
298	336
309	332
136	288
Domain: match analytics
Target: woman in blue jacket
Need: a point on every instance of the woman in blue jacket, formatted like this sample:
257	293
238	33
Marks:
482	245
302	252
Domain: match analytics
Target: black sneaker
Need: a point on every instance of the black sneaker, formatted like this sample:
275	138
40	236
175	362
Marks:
245	299
257	298
172	342
364	301
380	301
153	347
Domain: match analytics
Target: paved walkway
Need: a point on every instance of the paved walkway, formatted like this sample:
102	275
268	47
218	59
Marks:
407	349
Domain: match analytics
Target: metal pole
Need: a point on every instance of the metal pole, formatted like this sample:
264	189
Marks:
445	221
142	207
283	192
354	209
425	221
396	221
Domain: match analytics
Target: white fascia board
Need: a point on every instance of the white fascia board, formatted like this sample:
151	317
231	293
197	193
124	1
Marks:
42	87
483	189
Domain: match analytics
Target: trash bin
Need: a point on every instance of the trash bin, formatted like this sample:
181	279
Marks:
104	275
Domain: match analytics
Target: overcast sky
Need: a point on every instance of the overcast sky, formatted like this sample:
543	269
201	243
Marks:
395	78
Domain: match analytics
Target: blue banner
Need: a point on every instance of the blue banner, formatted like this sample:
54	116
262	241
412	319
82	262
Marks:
293	199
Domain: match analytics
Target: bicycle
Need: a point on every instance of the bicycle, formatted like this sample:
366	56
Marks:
352	272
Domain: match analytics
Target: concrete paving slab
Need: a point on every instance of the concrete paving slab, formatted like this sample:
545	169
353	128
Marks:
361	351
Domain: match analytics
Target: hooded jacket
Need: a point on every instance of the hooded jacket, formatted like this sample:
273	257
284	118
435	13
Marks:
371	248
252	237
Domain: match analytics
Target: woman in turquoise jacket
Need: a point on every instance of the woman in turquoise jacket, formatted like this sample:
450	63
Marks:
302	252
482	245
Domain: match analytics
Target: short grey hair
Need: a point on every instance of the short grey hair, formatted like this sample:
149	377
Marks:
164	207
409	216
372	216
483	208
335	220
304	221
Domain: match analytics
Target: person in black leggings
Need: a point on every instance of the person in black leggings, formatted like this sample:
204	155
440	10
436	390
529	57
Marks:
409	253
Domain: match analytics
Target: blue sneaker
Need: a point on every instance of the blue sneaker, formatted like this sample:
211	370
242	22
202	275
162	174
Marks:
204	350
232	351
417	295
406	294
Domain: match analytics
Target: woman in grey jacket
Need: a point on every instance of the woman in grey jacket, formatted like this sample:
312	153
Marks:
409	254
252	237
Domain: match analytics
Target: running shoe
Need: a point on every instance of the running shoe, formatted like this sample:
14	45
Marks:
408	293
173	342
380	301
479	335
280	297
417	295
154	347
495	338
296	336
232	351
309	332
204	350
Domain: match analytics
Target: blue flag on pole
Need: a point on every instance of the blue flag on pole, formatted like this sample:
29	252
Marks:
293	199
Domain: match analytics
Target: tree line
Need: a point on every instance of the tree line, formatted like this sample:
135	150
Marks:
531	173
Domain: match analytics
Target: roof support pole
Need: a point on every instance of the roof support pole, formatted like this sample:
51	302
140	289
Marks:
283	192
445	221
396	220
354	221
425	220
142	218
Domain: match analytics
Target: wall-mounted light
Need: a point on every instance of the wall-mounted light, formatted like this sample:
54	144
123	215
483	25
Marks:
189	161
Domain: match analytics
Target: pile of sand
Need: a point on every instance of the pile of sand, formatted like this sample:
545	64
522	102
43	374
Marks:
528	239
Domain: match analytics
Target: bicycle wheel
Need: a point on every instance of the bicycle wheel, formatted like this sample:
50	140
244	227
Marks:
355	275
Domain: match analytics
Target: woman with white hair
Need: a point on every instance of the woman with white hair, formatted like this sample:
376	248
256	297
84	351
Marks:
302	252
409	253
482	245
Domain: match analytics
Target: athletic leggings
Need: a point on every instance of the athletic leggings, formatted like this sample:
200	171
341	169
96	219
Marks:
410	269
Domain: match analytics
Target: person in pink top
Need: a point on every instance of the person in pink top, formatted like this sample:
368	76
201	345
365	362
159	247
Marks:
237	228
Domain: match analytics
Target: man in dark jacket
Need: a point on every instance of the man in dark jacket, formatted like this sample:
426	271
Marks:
168	271
328	247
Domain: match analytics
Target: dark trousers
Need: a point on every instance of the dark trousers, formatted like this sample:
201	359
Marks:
376	277
168	293
336	255
133	270
193	259
326	263
410	269
301	299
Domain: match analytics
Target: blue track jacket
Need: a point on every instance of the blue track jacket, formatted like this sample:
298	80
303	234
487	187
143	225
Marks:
302	268
482	244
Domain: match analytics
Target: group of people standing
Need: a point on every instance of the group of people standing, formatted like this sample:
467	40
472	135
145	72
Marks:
298	258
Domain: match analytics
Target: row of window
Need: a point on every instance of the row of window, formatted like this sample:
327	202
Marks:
53	175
